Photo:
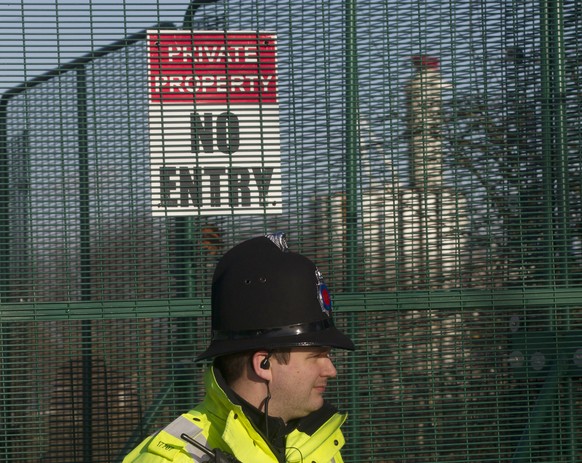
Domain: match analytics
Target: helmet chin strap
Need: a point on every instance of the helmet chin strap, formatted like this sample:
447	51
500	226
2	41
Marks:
265	365
266	402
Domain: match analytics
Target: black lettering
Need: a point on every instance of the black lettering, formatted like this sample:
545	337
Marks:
190	187
166	186
201	133
228	133
214	173
181	186
238	188
263	179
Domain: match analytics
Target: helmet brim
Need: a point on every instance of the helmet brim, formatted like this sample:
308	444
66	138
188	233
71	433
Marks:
330	337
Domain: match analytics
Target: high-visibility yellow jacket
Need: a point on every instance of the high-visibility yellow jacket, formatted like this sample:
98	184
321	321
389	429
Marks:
219	423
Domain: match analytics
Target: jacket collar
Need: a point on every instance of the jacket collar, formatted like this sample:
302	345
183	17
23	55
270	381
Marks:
225	404
217	388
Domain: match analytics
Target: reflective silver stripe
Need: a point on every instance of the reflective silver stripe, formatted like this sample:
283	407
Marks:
181	426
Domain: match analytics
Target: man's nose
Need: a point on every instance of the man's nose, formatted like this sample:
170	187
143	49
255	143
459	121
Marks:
330	370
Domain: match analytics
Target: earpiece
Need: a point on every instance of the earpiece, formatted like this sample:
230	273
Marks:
265	363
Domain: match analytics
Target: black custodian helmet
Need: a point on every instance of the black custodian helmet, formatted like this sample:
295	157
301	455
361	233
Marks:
266	297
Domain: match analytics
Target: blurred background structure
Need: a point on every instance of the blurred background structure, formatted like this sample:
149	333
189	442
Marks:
431	165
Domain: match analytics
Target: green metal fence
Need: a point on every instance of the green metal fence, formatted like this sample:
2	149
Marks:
430	163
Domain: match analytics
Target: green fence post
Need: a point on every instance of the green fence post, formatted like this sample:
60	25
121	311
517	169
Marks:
85	262
4	250
554	138
352	145
352	167
554	143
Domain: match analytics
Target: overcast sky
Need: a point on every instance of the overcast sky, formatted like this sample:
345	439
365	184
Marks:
39	35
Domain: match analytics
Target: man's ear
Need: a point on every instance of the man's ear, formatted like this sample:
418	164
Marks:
261	362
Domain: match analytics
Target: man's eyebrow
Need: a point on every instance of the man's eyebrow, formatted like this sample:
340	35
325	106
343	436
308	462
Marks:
323	349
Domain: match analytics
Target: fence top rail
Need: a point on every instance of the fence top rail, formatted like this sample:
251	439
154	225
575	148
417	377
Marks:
456	300
82	61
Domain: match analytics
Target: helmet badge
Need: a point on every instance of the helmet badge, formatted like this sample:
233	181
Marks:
279	239
323	294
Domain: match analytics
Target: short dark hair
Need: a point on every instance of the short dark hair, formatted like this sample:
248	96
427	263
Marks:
232	366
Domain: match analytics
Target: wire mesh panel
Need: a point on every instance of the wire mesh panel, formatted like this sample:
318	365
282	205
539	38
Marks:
430	164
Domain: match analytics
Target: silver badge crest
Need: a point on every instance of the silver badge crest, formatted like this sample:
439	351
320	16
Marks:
279	239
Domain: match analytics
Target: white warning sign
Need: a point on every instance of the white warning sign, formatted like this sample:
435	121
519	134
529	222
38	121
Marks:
214	123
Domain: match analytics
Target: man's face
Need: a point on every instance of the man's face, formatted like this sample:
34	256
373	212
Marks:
297	387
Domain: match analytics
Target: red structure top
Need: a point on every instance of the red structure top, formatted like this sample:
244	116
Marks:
422	62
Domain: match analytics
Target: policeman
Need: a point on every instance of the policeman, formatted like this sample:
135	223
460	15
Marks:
272	333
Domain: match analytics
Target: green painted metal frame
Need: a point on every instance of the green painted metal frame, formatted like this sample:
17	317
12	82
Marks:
559	348
457	300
